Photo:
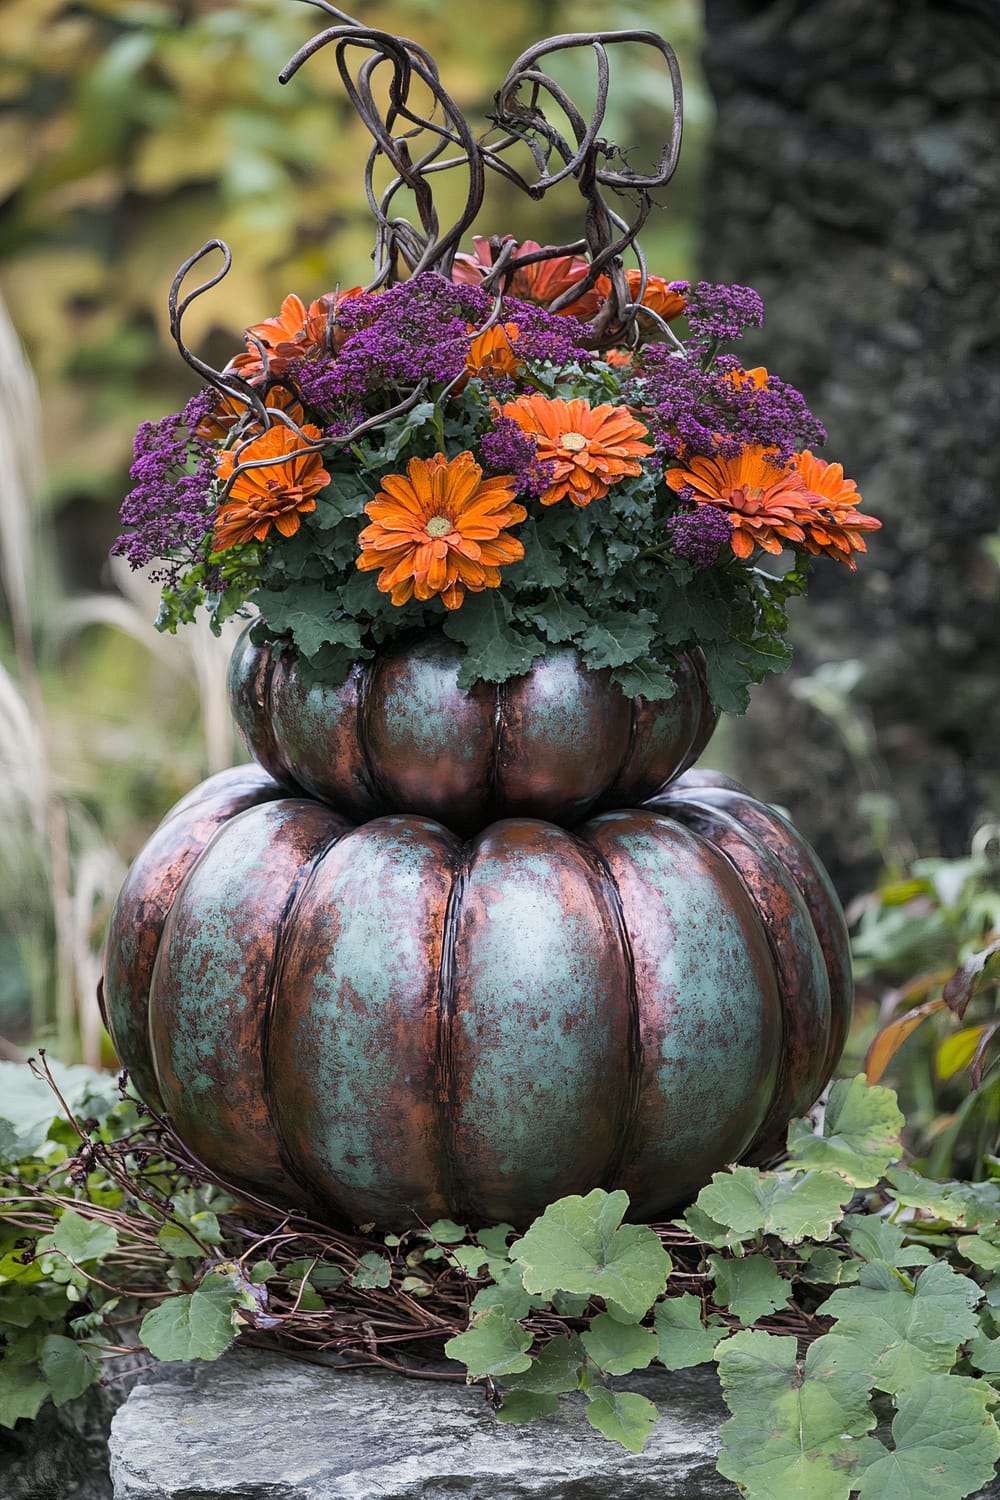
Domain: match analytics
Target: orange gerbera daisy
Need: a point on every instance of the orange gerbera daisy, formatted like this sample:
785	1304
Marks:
541	282
836	529
438	529
276	494
492	351
748	379
224	416
767	502
589	447
298	332
659	296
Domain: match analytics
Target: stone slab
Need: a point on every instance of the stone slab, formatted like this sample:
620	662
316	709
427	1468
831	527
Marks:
256	1426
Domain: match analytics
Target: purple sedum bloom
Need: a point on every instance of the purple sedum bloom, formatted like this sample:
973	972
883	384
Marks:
171	507
700	536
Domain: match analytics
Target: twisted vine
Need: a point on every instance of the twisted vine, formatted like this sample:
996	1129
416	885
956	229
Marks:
403	249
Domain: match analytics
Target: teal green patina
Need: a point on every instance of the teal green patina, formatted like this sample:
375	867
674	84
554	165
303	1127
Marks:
710	1027
215	985
390	1024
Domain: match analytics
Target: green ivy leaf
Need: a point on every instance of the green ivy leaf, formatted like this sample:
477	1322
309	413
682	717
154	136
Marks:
705	1229
623	1416
619	1348
945	1443
67	1368
823	1265
197	1325
792	1205
373	1271
795	1430
556	1369
470	1258
751	1288
981	1252
948	1201
569	1306
874	1239
684	1339
21	1308
20	1398
81	1239
525	1406
444	1232
308	1298
507	1291
861	1129
900	1336
176	1240
494	1345
984	1351
494	1240
577	1246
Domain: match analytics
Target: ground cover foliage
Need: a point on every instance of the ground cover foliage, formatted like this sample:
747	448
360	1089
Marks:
851	1306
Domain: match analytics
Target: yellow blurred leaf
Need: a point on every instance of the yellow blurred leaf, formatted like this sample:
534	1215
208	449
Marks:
891	1038
898	892
25	22
18	152
192	148
957	1051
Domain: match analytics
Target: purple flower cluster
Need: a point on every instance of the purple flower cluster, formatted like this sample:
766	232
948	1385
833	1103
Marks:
720	312
419	330
700	536
171	508
693	411
506	449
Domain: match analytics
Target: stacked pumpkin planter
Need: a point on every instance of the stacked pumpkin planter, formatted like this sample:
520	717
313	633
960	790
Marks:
450	953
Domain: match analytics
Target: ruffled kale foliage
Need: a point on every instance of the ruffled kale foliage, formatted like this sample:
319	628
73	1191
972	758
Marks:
852	1307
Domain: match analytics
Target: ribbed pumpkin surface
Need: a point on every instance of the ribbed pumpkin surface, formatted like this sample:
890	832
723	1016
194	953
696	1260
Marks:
400	735
385	1020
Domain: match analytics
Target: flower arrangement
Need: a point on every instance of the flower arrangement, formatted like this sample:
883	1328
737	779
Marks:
502	481
513	444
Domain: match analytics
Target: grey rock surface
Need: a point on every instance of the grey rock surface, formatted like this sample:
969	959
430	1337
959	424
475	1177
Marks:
257	1426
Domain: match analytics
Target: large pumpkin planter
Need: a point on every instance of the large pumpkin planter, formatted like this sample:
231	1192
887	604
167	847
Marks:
399	735
389	1022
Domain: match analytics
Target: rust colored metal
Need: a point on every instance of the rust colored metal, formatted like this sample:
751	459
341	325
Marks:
395	1023
400	735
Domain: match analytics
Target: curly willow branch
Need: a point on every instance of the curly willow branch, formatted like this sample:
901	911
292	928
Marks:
598	166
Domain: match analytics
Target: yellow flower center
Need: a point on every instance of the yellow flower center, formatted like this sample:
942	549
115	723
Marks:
574	441
438	526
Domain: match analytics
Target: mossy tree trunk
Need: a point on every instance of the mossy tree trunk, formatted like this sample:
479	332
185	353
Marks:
853	180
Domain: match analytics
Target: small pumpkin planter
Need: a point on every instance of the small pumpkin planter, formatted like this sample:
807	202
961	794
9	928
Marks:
387	1021
400	735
